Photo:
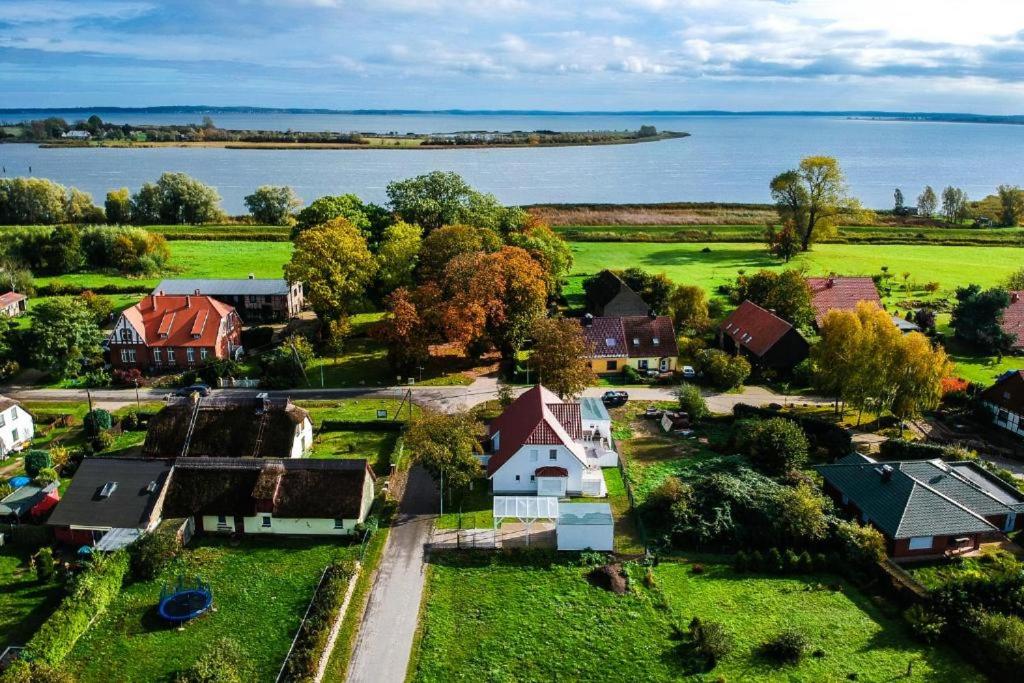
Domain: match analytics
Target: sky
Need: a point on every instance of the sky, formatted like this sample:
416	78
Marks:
894	55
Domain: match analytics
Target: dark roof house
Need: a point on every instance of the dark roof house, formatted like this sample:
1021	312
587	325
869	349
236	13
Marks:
766	338
108	493
638	336
229	427
923	506
608	295
840	293
1005	400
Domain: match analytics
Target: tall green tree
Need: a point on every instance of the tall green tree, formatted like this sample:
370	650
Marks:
444	198
63	334
272	205
927	202
446	445
811	197
398	255
119	207
688	306
176	198
560	356
370	219
1011	201
954	205
786	293
977	318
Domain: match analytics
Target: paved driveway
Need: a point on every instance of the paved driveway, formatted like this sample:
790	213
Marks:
389	625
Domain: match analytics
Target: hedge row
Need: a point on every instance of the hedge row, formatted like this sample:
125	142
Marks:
362	426
898	449
58	288
91	594
316	629
820	433
28	536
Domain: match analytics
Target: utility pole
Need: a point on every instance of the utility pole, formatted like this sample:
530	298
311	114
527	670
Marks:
138	403
442	491
88	395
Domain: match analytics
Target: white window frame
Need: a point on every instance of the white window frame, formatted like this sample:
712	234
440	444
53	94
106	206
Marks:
203	353
3	420
339	523
266	522
170	357
157	356
190	355
553	454
642	364
921	543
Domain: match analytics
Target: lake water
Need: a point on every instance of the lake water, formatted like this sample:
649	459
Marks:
727	158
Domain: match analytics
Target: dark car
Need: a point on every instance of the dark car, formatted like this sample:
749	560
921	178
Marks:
612	399
200	388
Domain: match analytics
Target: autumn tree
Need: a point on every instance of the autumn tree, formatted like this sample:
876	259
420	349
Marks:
811	197
550	250
927	202
404	331
444	244
782	242
786	293
446	445
334	263
560	356
398	255
688	306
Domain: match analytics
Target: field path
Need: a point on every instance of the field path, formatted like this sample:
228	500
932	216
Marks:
386	635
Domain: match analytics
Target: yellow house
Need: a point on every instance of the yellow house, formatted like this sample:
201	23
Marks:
643	342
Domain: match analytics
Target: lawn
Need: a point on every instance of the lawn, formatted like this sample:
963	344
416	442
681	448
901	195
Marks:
509	618
356	409
374	446
24	602
260	592
991	562
472	510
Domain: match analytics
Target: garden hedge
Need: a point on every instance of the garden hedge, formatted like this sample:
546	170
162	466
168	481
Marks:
821	433
315	630
898	449
89	596
362	426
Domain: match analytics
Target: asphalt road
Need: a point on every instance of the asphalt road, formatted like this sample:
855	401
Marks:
385	638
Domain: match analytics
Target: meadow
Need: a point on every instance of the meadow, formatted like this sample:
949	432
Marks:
513	617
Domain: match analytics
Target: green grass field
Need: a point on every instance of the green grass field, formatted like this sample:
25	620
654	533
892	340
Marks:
260	592
504	618
25	603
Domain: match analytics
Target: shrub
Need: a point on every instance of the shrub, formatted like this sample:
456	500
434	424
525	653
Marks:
1000	642
774	562
711	640
129	377
130	421
36	460
741	561
861	545
46	476
698	569
630	375
23	671
103	441
96	421
791	561
778	445
59	456
312	638
154	552
757	561
89	596
96	379
925	624
692	402
821	563
44	564
805	564
220	664
788	647
724	370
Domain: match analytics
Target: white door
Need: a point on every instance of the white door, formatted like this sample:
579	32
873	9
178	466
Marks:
551	486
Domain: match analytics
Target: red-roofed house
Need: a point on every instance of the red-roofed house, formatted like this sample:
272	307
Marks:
1013	320
175	333
1005	400
766	339
545	446
13	304
840	293
644	342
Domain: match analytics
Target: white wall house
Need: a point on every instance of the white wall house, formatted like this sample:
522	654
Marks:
16	426
1005	400
544	446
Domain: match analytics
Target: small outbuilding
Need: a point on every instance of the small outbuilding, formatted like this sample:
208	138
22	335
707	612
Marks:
585	526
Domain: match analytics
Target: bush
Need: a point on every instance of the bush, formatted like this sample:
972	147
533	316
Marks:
925	624
44	564
46	476
791	561
741	561
311	640
129	377
89	596
221	663
757	561
97	421
692	402
23	671
861	545
130	421
103	441
820	433
774	562
778	445
999	639
154	552
724	370
788	647
711	640
631	375
36	460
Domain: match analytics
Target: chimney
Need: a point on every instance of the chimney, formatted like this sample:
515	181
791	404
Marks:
252	276
830	283
1014	297
197	292
652	314
886	472
188	301
588	320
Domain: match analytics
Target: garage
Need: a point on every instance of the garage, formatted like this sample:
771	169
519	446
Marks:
585	526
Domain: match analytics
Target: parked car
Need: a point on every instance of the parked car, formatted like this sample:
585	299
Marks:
689	372
653	413
199	388
612	399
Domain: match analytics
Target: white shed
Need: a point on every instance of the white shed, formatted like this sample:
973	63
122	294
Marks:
585	526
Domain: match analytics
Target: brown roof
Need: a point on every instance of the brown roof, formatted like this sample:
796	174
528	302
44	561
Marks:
635	336
9	298
551	471
530	420
179	320
6	402
312	489
1013	319
225	428
1007	392
840	293
754	328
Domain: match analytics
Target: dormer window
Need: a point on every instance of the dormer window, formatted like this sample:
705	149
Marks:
609	342
636	341
655	341
108	489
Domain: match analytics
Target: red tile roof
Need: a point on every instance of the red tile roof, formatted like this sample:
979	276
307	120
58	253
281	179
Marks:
180	320
754	328
530	420
551	471
840	293
1007	392
1013	318
635	336
10	298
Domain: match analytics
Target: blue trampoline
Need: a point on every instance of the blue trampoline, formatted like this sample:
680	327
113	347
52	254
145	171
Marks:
185	601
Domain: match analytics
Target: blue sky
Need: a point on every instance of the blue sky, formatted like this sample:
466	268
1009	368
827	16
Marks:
934	55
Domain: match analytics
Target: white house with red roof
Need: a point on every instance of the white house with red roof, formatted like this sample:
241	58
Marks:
175	333
541	445
13	304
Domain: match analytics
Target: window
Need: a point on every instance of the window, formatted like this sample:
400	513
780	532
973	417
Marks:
533	455
517	477
170	356
1003	416
157	356
126	334
641	364
14	413
190	354
636	341
339	524
203	353
553	454
610	342
613	365
127	355
655	341
266	521
921	543
222	520
533	477
14	435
